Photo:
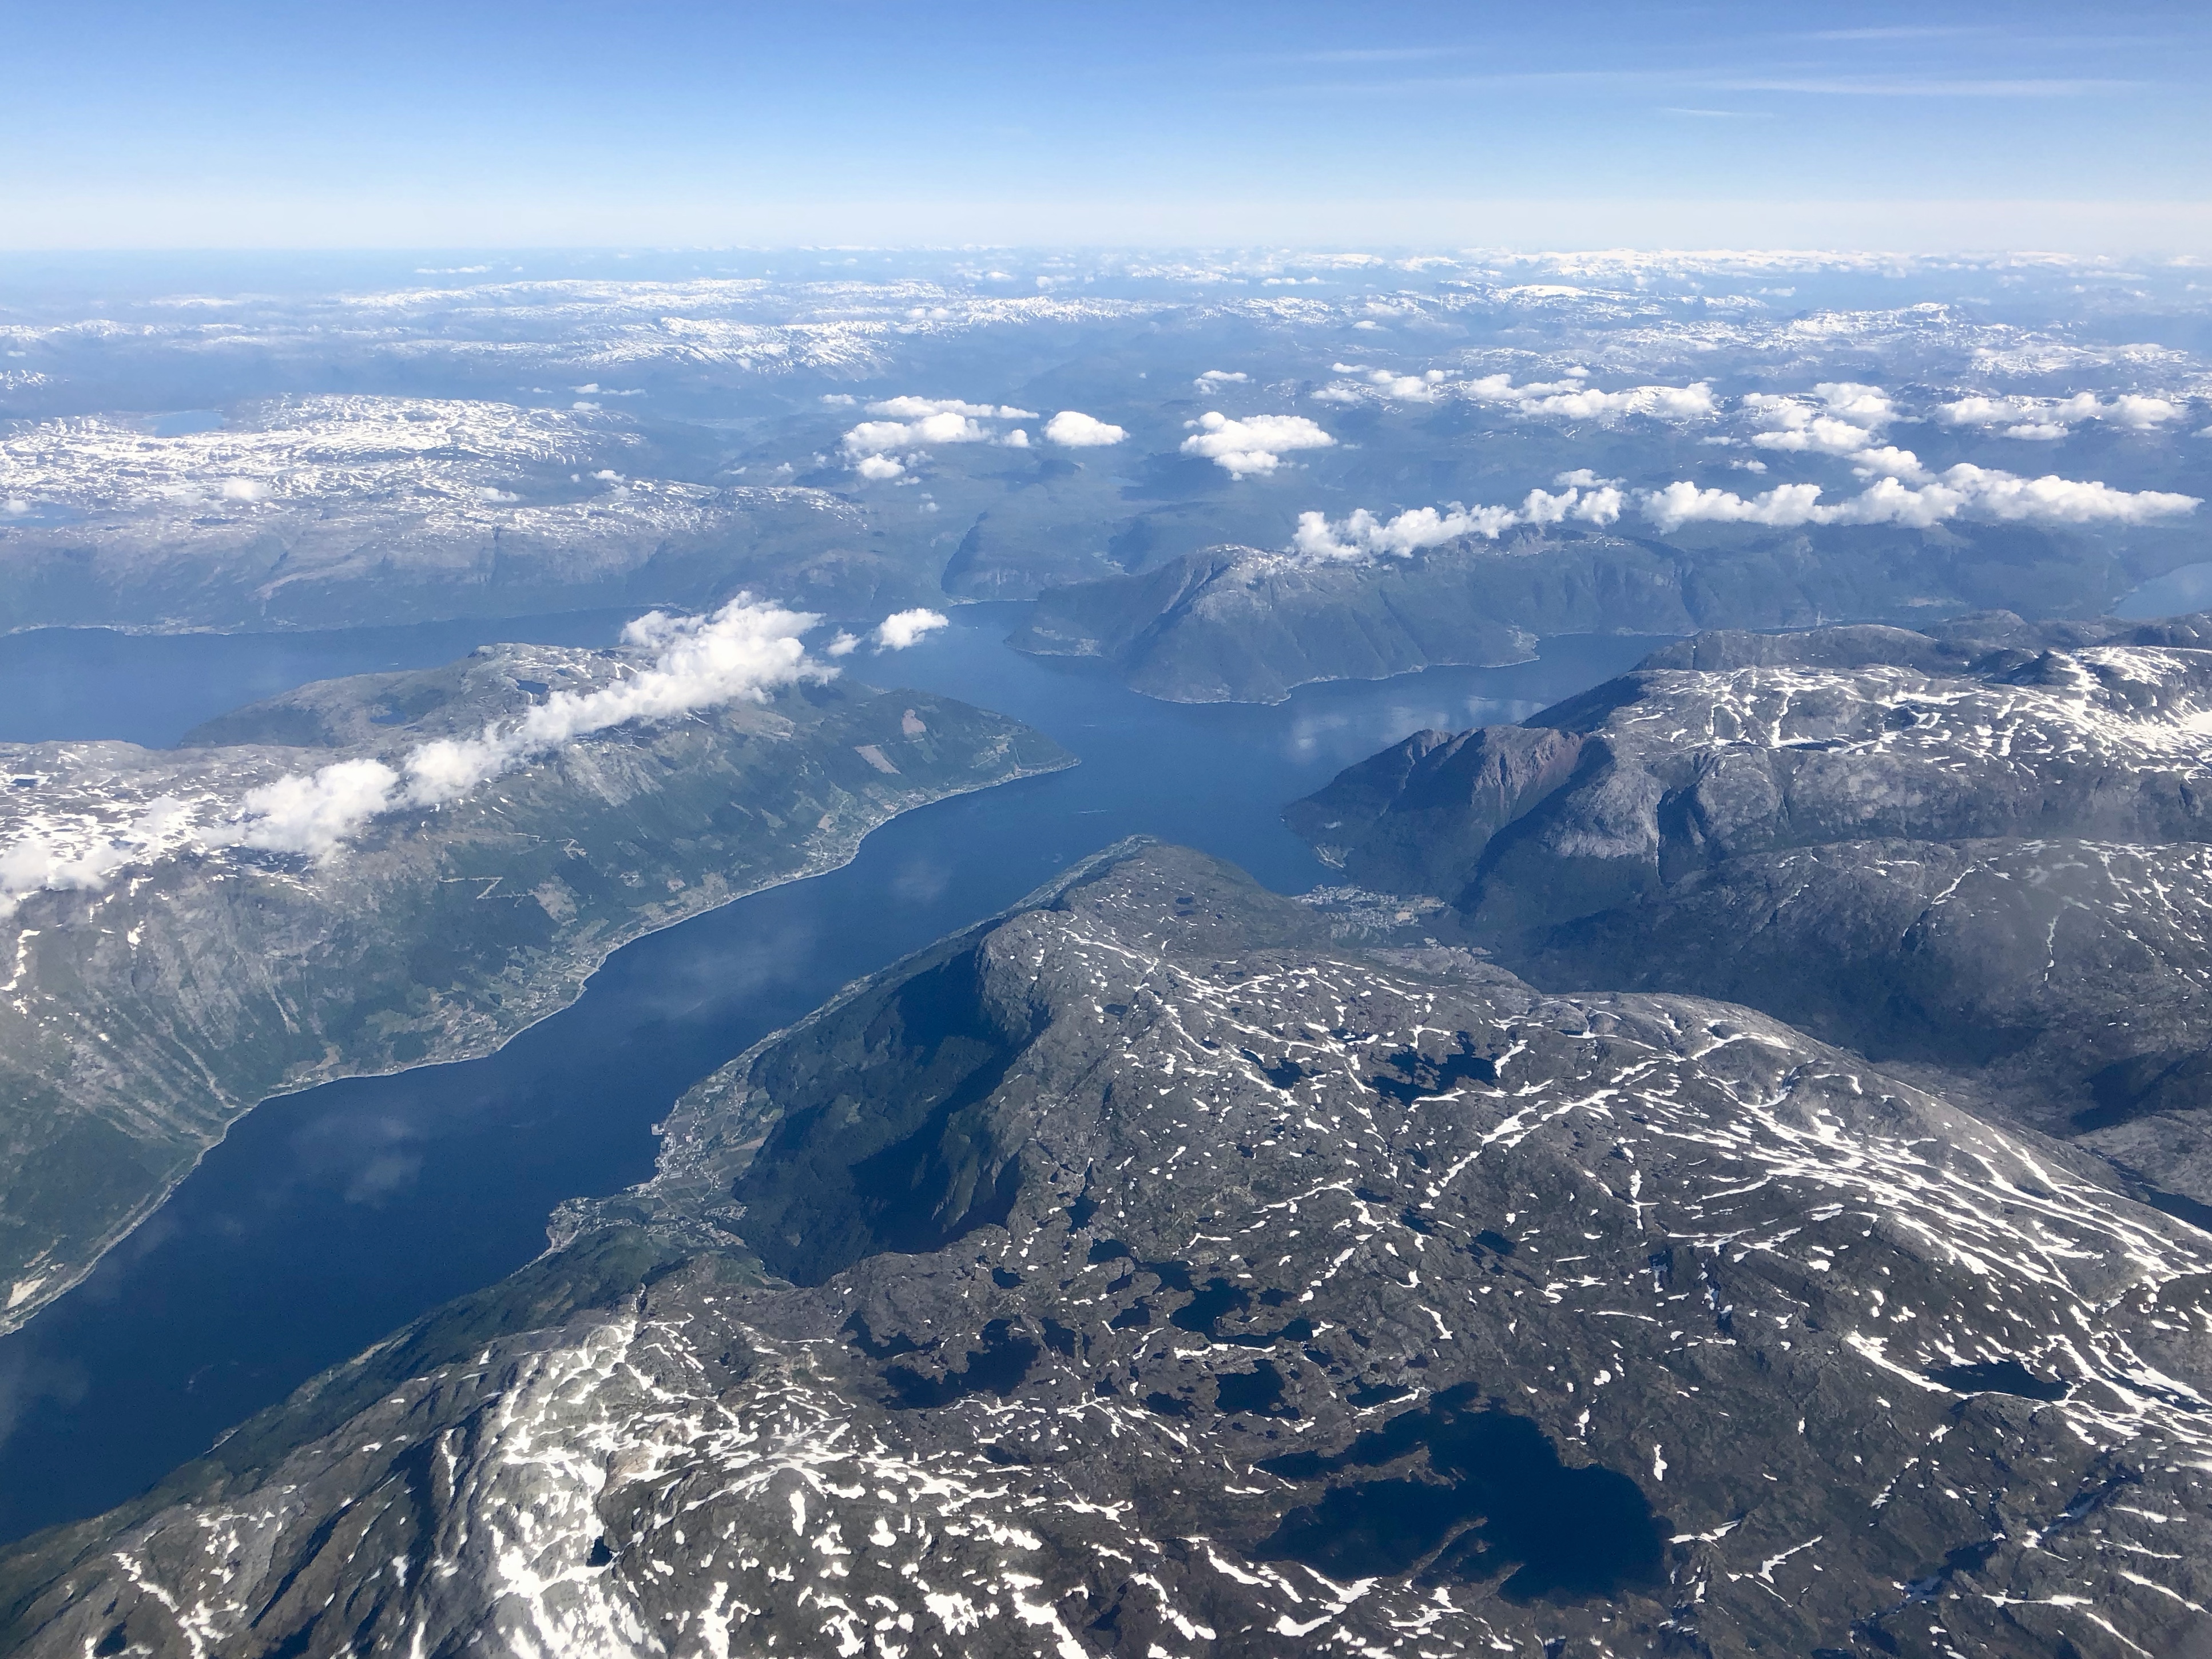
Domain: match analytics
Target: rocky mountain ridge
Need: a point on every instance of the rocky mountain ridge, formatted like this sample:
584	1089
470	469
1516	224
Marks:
1979	852
1143	1272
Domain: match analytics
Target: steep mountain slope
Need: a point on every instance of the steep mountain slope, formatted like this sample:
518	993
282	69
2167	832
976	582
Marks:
159	983
1144	1273
1982	849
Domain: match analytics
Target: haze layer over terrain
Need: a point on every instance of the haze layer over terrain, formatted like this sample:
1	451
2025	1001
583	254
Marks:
1200	460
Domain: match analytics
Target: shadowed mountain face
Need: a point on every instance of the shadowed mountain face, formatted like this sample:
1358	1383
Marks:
147	1012
1144	1271
1237	624
1982	849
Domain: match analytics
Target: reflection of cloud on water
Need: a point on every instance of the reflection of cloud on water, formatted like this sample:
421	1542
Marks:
711	976
383	1176
369	1157
27	1378
921	881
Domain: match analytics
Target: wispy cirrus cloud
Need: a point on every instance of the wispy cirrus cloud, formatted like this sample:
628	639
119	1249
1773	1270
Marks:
1807	79
1923	86
1362	55
1900	31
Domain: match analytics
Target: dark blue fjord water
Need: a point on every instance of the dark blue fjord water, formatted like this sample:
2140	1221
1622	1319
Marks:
328	1217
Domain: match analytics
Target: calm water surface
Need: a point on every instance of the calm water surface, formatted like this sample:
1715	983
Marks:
2174	595
83	683
330	1216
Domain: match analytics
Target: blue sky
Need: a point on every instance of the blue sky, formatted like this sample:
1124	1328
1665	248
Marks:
1576	123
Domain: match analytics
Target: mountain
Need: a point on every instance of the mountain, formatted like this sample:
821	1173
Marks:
1146	1271
1236	625
1979	852
330	511
164	975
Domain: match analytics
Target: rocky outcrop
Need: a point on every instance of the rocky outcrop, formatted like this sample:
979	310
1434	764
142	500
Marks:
1982	849
1143	1271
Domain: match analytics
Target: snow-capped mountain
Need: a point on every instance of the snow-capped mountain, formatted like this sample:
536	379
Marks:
1978	852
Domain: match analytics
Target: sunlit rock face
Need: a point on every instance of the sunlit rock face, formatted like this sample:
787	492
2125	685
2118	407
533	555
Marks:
1979	853
1146	1271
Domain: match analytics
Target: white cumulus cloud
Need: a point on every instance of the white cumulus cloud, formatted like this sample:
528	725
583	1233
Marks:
914	409
1971	491
1213	378
1572	397
1823	435
1426	387
2054	417
1253	445
902	628
945	427
1848	401
1841	417
313	812
1072	429
1845	419
742	652
1362	536
1667	403
921	423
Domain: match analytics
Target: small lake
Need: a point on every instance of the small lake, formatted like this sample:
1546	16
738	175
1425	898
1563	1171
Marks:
331	1216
